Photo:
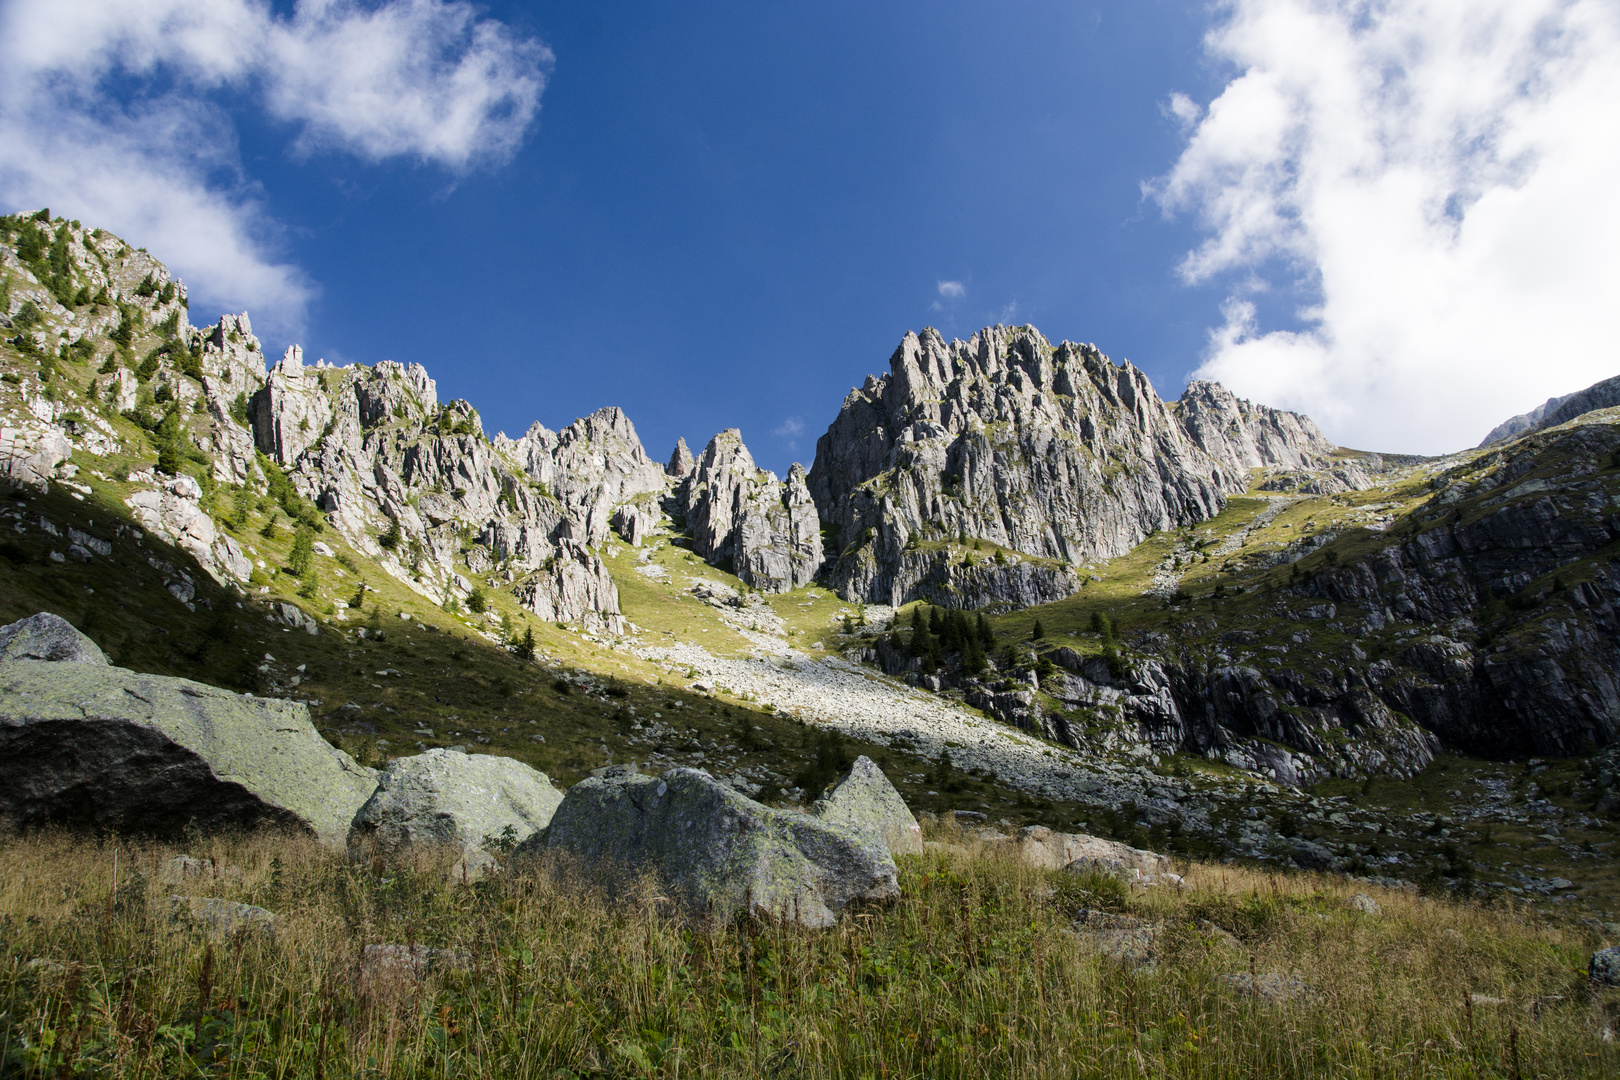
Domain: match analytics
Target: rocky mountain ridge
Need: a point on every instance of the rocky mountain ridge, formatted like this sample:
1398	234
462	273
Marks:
1051	451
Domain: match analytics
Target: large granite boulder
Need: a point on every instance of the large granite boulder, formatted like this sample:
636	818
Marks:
1041	847
719	852
445	799
92	745
48	637
865	800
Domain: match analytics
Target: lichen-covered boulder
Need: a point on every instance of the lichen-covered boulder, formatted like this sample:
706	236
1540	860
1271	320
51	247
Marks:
91	745
865	800
50	638
444	799
719	852
217	919
1041	847
1604	967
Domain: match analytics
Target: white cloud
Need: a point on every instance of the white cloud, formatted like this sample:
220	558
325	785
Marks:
952	290
108	114
1434	183
1183	109
791	428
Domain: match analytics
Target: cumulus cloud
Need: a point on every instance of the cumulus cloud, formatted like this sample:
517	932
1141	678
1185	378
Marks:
1429	185
114	113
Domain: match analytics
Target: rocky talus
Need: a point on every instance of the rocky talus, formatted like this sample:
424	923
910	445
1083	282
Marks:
744	518
1052	451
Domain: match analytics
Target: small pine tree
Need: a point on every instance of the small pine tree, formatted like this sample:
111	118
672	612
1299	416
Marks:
525	647
269	530
987	636
241	507
301	559
358	600
477	602
1038	632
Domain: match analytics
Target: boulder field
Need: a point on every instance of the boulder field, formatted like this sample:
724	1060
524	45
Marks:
87	744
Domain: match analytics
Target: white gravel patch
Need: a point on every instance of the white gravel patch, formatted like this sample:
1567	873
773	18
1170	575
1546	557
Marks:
833	691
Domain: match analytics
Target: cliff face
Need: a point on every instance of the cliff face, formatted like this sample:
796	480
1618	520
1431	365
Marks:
742	517
1053	451
415	483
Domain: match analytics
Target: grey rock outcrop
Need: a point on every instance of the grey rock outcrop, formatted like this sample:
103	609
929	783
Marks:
722	854
1557	410
681	461
29	457
745	519
50	638
1052	451
1604	967
1602	395
866	801
1041	847
593	466
174	512
375	449
1513	425
1242	435
445	800
574	586
92	745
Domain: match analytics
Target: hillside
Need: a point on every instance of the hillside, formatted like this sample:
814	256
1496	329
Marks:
1299	662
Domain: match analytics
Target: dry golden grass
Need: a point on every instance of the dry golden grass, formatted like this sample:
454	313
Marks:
976	972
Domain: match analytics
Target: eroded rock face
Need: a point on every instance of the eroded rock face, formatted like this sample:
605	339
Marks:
29	457
376	450
92	745
48	638
443	799
593	466
722	854
865	801
1052	451
744	518
174	512
1243	436
574	587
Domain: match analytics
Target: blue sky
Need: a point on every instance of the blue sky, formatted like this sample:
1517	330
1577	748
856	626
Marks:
718	215
728	215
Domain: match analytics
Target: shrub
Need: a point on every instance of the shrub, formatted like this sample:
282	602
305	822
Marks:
390	538
477	602
1038	631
